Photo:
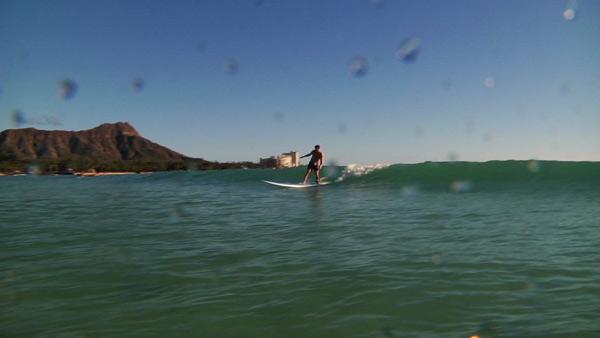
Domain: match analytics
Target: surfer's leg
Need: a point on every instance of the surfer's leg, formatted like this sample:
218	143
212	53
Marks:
306	175
318	175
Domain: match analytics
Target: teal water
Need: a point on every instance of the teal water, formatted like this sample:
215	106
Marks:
500	249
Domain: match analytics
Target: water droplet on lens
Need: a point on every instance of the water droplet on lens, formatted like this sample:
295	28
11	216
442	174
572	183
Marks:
359	66
377	3
569	14
387	332
19	118
179	212
342	128
410	191
191	165
23	55
533	166
419	131
409	49
564	89
332	169
447	84
232	66
68	89
527	286
461	186
486	330
279	117
489	82
201	46
33	170
138	84
53	121
44	120
487	137
469	124
452	157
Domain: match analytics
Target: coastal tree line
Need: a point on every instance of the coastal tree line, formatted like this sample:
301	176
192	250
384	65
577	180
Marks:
11	166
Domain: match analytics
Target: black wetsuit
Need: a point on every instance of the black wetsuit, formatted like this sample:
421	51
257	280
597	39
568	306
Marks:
313	164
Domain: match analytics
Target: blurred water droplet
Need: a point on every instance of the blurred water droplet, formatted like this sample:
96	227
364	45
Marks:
487	137
68	89
419	131
469	124
564	89
461	186
23	55
342	128
569	14
359	66
528	286
191	165
436	259
409	49
19	118
44	120
410	191
279	117
447	84
377	3
201	46
138	84
489	82
332	169
231	66
53	121
33	170
533	166
179	213
486	329
452	157
387	332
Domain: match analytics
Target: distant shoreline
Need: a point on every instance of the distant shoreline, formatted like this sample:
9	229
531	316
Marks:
94	168
107	148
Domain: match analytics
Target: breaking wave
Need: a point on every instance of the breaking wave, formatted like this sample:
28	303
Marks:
453	176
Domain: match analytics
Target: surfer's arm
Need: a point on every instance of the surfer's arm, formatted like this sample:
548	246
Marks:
307	155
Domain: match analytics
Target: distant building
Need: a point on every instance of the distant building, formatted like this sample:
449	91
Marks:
269	162
288	160
285	160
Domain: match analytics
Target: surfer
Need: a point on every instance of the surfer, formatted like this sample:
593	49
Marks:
315	163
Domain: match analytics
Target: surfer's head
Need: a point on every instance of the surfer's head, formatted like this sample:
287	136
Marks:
317	147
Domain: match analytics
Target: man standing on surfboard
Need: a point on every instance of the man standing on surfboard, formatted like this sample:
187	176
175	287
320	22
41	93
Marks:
315	163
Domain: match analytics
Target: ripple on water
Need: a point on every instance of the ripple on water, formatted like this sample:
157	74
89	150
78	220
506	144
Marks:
104	257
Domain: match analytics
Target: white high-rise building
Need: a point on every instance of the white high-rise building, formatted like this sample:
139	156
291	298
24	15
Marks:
288	160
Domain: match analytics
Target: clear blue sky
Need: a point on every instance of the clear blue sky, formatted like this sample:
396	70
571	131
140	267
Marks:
294	88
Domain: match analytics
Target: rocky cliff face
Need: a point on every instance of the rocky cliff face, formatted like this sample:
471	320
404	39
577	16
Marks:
107	142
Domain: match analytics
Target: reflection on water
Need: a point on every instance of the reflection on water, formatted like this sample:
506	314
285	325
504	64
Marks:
315	202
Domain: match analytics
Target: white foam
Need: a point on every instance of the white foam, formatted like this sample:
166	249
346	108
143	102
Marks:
356	170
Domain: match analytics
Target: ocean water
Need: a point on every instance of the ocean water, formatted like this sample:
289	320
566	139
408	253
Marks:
497	249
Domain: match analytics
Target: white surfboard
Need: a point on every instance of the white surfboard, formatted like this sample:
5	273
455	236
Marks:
291	185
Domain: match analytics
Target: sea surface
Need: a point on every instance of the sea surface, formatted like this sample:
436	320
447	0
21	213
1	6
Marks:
496	249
